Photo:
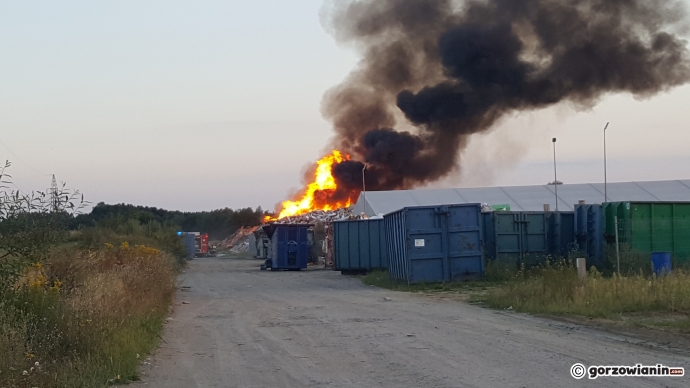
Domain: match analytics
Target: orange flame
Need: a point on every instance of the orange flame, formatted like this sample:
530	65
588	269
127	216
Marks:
317	195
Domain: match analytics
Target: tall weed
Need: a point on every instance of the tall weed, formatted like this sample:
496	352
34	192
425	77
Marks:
84	317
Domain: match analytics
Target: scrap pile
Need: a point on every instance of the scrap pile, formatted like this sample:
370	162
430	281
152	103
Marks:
238	241
241	247
323	216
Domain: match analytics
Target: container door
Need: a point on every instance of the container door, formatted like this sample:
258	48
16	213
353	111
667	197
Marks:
681	230
300	238
425	245
508	241
642	227
464	242
398	245
377	245
561	233
660	227
362	251
341	245
534	238
595	235
581	227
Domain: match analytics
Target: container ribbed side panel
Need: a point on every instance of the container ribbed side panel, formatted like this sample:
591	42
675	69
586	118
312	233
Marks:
435	243
589	233
561	233
398	266
359	245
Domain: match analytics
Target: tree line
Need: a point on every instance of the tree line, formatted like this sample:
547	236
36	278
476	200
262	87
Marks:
217	223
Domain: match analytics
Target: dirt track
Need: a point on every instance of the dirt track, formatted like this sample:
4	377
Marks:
248	328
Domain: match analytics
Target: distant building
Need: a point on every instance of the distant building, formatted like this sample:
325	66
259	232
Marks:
525	198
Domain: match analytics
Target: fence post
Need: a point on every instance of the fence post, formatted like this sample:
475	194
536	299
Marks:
618	254
581	269
581	265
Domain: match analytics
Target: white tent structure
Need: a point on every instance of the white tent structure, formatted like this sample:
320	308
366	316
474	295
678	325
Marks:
525	198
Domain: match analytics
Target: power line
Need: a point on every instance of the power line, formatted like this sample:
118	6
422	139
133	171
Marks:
20	159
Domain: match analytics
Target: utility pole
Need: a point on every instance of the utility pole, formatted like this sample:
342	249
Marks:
555	175
54	200
606	193
364	190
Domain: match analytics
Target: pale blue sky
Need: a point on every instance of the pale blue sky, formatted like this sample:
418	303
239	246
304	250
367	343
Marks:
207	104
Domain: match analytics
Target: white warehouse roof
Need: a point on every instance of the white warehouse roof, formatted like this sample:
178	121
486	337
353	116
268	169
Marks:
525	198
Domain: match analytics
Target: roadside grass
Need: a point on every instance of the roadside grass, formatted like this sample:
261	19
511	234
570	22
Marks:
638	299
678	322
85	317
380	279
557	290
134	233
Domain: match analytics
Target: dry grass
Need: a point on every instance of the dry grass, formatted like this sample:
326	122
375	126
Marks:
557	290
84	318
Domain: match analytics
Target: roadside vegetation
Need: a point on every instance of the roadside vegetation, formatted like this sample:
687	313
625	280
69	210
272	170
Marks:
78	308
637	297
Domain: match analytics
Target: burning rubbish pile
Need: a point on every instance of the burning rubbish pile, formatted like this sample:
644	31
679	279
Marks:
320	216
320	194
238	241
435	72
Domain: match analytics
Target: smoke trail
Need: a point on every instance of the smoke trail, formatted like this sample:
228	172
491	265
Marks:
444	71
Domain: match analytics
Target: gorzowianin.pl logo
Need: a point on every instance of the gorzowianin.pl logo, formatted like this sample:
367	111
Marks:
579	371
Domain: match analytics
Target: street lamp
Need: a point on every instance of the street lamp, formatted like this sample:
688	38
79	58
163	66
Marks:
606	193
364	190
555	175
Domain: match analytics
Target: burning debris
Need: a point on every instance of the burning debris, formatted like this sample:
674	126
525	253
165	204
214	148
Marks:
321	216
238	238
435	72
322	193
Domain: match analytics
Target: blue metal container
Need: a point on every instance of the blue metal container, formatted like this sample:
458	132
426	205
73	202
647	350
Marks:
589	233
359	245
435	243
516	237
661	263
561	233
289	246
188	240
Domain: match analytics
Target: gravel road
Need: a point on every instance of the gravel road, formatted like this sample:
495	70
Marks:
236	326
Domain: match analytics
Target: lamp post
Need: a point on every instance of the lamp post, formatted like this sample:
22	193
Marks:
555	175
606	193
364	190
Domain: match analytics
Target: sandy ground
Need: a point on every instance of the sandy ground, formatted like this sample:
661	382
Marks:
236	326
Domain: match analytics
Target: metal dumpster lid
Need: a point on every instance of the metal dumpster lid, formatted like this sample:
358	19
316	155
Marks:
271	228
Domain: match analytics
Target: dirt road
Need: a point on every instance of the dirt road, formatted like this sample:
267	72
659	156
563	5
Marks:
236	326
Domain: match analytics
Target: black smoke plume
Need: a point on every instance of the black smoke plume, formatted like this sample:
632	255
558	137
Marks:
439	71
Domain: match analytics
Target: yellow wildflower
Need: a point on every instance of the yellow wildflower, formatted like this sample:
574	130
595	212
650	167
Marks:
145	250
125	245
39	281
56	285
109	245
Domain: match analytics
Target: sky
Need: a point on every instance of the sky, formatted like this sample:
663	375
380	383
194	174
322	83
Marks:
210	104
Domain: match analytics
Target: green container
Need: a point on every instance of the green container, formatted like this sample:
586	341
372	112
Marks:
650	226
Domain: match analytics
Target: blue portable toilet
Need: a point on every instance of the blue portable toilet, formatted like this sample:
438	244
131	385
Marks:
289	246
